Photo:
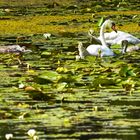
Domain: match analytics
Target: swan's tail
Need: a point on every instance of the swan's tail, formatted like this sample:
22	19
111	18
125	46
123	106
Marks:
93	39
125	47
133	48
82	51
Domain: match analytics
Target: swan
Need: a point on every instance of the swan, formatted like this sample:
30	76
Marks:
116	38
95	50
93	39
13	49
82	52
131	48
113	38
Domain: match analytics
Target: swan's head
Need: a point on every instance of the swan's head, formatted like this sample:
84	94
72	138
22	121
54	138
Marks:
110	24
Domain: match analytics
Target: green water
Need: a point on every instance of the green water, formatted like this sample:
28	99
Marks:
62	98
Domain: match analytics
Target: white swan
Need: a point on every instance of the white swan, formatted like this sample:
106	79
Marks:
131	48
82	52
113	38
93	39
116	38
103	49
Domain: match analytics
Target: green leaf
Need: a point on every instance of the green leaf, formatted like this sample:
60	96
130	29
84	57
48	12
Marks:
48	76
100	22
123	71
104	81
61	86
126	71
91	59
128	85
131	73
46	54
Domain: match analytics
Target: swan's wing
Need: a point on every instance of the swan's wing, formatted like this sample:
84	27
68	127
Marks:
107	52
111	42
95	40
112	35
133	40
124	36
116	38
94	49
133	48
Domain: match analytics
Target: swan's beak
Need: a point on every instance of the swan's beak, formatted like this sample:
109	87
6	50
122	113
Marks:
114	28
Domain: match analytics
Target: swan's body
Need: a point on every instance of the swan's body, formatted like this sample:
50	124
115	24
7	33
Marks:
131	48
13	49
116	38
97	50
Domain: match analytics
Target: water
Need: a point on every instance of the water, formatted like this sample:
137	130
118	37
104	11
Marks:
63	98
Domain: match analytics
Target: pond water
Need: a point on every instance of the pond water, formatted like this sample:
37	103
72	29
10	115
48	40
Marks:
61	98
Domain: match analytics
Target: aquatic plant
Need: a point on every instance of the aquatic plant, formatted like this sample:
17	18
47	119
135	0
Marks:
8	136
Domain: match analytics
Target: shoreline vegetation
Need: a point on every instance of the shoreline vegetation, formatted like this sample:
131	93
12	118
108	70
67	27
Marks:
59	16
68	23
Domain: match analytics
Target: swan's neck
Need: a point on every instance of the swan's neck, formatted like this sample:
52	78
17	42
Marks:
102	36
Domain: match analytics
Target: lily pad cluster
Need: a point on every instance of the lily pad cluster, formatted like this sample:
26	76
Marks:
50	95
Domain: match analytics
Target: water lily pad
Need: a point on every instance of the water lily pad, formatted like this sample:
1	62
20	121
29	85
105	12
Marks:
61	86
47	76
100	22
46	54
126	71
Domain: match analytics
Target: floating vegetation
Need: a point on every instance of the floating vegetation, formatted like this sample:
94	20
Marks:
50	95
